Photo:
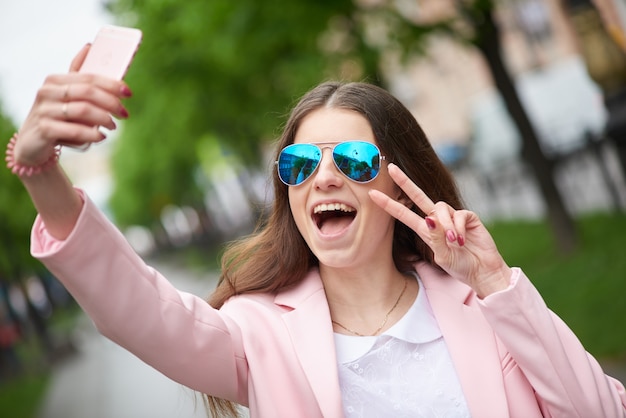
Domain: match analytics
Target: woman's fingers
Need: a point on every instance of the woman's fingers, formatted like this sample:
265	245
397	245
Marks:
102	92
462	219
412	191
447	218
442	211
442	227
84	113
400	212
77	62
68	110
460	243
429	229
76	103
73	134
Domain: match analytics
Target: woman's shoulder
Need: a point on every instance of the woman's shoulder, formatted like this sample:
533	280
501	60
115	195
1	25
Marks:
285	299
433	276
256	300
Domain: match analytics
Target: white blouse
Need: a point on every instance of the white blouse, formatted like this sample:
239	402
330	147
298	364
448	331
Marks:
404	372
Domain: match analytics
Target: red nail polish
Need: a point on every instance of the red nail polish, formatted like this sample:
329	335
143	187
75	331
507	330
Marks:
461	240
450	235
123	113
126	91
430	223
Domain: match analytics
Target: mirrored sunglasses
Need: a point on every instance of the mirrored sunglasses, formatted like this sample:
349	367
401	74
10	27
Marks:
357	160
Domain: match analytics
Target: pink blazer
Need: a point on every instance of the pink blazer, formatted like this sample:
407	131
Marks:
276	355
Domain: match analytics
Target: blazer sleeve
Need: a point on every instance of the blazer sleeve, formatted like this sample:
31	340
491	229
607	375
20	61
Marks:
568	381
177	333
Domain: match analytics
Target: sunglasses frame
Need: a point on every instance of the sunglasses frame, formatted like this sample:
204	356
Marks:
329	145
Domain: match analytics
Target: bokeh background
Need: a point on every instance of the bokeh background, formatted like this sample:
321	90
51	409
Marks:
524	101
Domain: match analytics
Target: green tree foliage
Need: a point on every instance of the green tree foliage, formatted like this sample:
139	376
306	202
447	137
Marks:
17	214
16	264
220	69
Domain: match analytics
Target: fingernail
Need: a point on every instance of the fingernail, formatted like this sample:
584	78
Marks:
123	112
461	240
101	134
125	90
430	223
450	235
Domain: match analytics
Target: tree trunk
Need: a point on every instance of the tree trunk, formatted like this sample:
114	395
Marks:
560	220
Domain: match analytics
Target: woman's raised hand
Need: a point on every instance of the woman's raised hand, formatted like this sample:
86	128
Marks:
461	244
68	110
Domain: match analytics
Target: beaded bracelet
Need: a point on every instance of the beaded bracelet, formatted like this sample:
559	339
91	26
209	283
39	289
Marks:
25	170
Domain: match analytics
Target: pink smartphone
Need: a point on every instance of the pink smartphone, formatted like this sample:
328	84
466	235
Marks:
112	51
110	55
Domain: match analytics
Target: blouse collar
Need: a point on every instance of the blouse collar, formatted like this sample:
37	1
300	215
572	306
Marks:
417	326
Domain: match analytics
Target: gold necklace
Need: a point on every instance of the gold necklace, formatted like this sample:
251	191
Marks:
384	320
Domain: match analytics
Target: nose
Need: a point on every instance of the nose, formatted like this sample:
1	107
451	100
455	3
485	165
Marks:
327	174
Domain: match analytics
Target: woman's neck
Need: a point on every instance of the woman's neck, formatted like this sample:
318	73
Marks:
362	300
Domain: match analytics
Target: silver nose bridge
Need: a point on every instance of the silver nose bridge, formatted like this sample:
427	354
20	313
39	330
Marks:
330	146
326	145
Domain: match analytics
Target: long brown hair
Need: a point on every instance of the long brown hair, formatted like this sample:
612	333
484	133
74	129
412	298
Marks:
276	256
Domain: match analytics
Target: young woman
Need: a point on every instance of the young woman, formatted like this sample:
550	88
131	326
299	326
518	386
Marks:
369	292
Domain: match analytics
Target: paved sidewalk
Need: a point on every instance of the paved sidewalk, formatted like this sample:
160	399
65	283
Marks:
105	381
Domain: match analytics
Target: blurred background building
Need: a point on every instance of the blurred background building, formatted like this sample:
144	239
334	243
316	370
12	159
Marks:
570	74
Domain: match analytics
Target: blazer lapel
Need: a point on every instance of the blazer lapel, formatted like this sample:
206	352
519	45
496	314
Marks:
470	340
311	333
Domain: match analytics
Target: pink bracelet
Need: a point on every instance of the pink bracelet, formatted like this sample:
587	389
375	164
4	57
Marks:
25	170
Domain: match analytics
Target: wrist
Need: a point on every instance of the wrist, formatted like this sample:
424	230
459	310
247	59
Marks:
496	282
24	170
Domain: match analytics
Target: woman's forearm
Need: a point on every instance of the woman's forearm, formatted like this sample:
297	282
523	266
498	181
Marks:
55	199
67	110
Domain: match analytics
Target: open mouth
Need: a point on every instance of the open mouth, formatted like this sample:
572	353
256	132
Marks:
332	218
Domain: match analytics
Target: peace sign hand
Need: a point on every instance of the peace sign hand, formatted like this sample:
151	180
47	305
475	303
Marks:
461	244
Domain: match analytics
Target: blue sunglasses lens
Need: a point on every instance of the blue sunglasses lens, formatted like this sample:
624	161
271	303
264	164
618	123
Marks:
357	160
297	162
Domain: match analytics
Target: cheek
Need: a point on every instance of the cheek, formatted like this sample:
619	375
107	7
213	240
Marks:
292	198
297	207
391	189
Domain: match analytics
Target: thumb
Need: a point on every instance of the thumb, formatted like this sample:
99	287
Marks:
77	62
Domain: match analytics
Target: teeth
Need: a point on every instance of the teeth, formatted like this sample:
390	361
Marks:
325	207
